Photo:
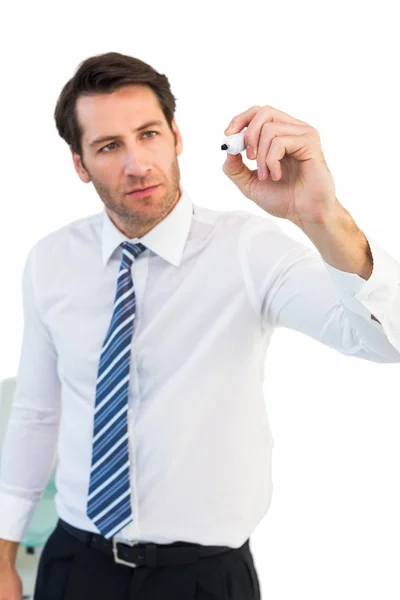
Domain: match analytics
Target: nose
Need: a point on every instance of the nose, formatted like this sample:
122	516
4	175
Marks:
135	162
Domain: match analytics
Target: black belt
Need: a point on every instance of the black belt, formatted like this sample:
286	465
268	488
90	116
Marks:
136	554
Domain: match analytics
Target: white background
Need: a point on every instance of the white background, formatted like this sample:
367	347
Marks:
333	528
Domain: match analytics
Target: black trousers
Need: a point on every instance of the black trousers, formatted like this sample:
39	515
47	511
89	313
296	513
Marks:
70	569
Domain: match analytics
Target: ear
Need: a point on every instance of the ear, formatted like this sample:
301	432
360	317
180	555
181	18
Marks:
83	174
179	143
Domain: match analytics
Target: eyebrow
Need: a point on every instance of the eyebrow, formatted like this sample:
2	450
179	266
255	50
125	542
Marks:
113	137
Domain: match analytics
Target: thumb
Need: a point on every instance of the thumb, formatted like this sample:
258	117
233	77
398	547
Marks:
236	170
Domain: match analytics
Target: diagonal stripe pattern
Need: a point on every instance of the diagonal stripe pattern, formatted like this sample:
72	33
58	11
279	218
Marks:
109	498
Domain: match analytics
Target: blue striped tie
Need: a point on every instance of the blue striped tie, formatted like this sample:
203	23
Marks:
109	499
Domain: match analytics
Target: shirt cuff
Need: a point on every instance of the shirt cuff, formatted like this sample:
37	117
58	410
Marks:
379	295
15	516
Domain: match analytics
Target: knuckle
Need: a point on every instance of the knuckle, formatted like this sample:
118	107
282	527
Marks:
276	141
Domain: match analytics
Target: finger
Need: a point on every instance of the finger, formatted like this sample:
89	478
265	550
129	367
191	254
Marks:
260	139
269	114
241	121
237	170
300	147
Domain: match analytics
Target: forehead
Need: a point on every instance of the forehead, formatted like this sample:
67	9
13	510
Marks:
111	112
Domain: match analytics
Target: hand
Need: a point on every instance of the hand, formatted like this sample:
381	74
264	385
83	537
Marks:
10	584
302	189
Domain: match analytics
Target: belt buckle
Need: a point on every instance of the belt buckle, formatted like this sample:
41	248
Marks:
115	551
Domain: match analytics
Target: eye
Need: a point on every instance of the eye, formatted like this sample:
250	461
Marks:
150	132
108	145
114	143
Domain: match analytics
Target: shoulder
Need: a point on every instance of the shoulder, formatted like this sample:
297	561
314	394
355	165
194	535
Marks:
237	220
67	237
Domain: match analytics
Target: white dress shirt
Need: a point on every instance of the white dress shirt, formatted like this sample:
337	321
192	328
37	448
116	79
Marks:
210	290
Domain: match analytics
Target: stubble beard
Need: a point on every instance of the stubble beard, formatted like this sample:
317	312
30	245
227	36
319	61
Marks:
124	208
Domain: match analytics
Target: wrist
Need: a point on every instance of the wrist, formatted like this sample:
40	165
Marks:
8	554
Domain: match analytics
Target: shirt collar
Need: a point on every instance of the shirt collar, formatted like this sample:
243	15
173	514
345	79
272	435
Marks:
167	239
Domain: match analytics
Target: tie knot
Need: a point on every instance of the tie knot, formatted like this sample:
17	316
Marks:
130	252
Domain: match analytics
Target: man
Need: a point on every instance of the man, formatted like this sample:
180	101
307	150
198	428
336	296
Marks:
146	327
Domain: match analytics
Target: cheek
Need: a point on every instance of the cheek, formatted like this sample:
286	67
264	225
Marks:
110	175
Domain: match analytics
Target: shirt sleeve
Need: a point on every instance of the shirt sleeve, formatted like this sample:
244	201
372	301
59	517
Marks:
291	286
29	449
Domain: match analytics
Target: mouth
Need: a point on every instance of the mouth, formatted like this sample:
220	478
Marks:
142	192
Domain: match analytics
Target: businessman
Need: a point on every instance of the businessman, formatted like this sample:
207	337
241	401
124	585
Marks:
146	328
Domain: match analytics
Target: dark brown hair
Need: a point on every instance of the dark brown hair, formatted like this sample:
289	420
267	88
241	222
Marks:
102	74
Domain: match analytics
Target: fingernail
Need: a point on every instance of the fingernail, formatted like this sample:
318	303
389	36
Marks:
260	173
249	151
